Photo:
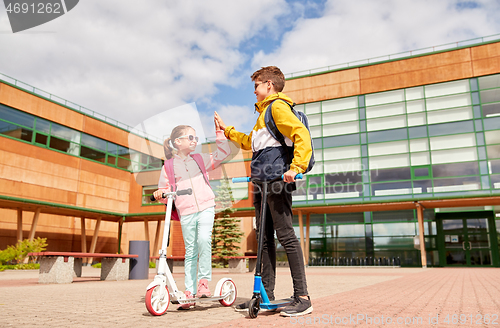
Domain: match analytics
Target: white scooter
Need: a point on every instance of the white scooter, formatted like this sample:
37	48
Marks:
158	296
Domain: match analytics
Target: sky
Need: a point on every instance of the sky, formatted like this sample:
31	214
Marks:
135	61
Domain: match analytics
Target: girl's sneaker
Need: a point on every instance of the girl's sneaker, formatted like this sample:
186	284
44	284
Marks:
186	306
299	306
203	290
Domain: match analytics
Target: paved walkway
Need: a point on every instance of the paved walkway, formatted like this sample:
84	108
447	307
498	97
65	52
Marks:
344	297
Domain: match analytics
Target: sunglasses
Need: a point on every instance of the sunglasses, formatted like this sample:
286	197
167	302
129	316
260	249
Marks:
190	137
256	85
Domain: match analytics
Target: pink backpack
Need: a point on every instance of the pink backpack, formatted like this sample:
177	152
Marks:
169	169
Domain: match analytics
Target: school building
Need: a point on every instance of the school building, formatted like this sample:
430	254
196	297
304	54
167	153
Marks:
407	152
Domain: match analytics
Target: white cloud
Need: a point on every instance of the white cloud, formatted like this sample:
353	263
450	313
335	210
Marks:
354	30
131	60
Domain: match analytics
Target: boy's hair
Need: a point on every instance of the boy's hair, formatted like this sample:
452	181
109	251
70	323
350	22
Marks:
270	73
176	133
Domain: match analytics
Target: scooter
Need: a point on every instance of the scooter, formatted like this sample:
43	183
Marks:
260	300
163	290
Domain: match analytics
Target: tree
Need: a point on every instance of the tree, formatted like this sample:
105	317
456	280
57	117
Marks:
226	232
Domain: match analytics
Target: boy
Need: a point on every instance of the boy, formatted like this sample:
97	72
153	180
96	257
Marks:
270	160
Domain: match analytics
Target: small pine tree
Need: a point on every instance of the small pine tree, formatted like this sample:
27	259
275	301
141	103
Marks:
226	232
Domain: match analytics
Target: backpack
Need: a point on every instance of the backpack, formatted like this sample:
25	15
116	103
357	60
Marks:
273	130
169	169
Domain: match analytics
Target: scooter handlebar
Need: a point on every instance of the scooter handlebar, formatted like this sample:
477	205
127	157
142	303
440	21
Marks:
248	179
178	193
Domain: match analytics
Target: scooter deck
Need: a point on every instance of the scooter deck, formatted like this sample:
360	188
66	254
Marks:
276	304
200	299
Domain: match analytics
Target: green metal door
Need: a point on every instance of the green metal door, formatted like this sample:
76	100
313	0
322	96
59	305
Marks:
467	239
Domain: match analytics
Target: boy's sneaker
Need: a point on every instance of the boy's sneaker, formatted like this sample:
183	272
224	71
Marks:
186	306
299	306
203	291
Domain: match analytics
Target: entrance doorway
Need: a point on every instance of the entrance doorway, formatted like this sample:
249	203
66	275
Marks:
467	239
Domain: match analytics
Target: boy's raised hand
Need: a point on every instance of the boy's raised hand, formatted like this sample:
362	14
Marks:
219	123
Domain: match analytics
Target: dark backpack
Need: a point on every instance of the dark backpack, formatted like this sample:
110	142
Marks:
273	130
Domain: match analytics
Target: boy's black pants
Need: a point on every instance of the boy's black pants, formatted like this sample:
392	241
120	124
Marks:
279	218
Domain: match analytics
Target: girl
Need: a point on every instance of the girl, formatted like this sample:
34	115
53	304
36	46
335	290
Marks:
196	211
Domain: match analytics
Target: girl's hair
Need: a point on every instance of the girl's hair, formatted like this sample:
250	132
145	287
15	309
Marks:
168	144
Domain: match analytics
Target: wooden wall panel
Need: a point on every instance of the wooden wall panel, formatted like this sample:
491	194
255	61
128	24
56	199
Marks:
486	59
29	103
324	86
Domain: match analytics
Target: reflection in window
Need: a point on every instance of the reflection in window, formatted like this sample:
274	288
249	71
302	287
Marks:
17	117
342	178
455	169
393	188
388	216
357	217
400	173
92	154
456	184
15	131
394	229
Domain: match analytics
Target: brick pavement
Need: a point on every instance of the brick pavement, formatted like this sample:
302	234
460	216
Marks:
360	297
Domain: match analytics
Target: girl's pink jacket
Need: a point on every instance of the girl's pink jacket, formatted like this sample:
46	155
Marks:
188	175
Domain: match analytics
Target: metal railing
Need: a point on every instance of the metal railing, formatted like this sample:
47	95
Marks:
76	107
417	52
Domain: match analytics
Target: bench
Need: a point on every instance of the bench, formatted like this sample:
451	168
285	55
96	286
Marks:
61	267
170	261
238	264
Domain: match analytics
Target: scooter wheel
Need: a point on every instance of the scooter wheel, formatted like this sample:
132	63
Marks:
228	286
253	308
154	303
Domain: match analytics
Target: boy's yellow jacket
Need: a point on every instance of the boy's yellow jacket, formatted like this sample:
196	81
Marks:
266	149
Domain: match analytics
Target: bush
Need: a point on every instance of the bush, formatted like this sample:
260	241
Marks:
152	265
18	253
97	265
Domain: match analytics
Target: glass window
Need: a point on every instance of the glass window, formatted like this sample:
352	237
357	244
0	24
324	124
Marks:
345	230
381	162
59	144
64	132
450	128
92	154
381	136
340	128
385	110
341	152
147	191
345	217
384	97
456	184
417	132
454	155
337	117
494	166
400	173
417	119
455	169
42	125
318	143
420	159
422	186
489	96
447	88
394	229
339	104
91	141
414	93
488	82
454	141
393	188
491	110
393	242
314	119
346	140
17	117
343	178
386	123
495	181
448	102
386	148
450	115
493	151
15	131
416	106
339	190
313	108
41	139
390	216
491	123
346	165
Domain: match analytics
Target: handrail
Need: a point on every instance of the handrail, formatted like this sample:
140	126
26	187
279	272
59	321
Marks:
411	53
